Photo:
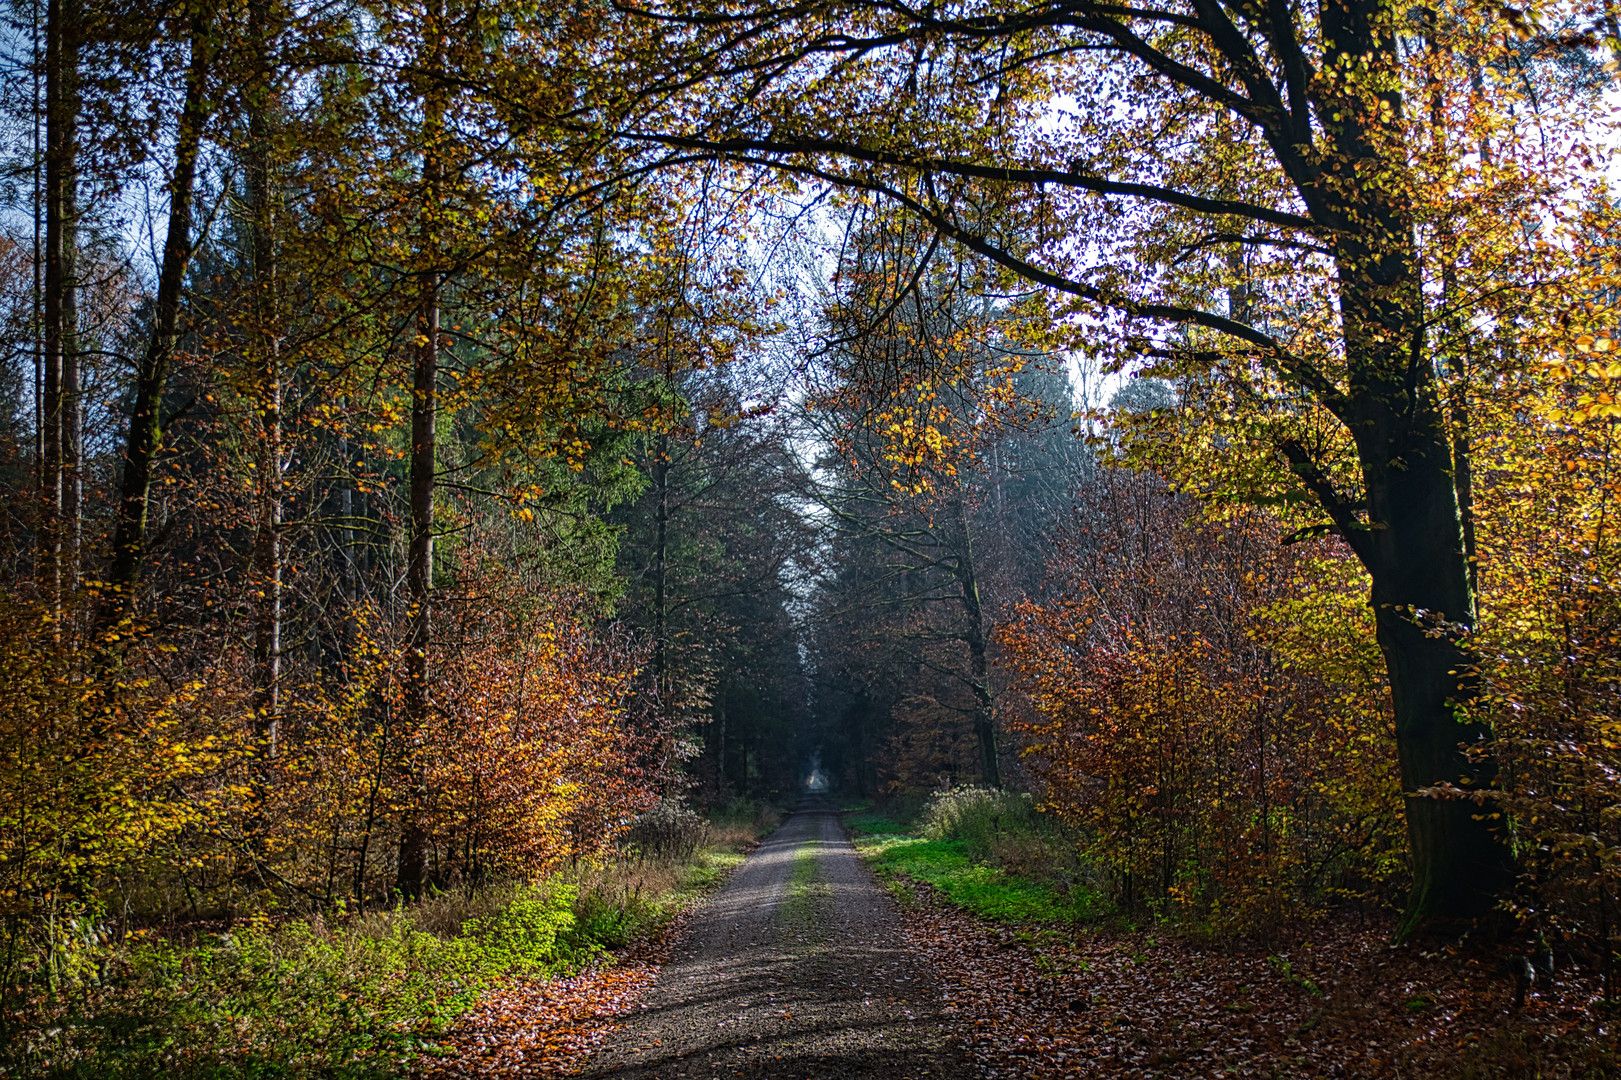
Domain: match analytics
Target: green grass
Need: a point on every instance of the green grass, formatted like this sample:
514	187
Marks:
985	891
355	1001
808	894
866	821
352	999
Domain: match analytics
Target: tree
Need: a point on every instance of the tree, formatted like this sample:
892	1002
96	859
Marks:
940	459
708	552
1243	188
61	407
195	57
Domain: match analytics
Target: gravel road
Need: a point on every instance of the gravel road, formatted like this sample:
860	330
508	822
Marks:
796	969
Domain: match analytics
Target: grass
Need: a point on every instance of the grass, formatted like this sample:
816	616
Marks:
989	892
866	821
988	852
807	892
357	998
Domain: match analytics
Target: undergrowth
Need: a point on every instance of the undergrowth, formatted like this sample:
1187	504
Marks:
356	998
987	891
988	852
352	999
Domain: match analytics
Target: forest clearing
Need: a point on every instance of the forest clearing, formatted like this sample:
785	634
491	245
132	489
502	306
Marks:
624	537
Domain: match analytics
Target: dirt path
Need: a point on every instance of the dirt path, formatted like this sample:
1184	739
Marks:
798	968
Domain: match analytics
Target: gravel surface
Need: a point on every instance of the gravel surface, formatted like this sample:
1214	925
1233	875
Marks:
797	968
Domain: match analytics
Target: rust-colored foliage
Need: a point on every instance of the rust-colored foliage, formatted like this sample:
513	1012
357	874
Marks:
1219	764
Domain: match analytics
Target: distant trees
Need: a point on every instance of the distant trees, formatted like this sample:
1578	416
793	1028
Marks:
947	454
711	552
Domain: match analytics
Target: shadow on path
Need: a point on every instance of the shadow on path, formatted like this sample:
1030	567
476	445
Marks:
796	969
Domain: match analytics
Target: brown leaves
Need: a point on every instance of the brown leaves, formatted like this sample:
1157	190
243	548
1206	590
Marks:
1337	1003
543	1029
540	1029
1125	1004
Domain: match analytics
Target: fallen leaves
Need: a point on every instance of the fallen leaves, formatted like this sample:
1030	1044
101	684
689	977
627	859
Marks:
542	1029
537	1030
1338	1003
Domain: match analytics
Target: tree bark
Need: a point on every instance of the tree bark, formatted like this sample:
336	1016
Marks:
661	630
412	870
1413	543
60	407
990	768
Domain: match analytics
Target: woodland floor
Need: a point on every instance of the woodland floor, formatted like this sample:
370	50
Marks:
802	966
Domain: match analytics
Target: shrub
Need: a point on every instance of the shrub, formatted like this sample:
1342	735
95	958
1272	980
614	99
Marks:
1218	741
523	937
668	831
982	818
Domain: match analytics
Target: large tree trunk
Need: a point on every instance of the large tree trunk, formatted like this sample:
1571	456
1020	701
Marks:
1413	541
146	424
1424	615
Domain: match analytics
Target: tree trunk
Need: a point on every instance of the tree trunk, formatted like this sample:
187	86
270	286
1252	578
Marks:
412	870
661	629
990	768
266	348
60	376
146	425
720	741
1424	616
1413	541
412	873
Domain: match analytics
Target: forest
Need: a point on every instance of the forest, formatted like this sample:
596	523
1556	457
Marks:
469	469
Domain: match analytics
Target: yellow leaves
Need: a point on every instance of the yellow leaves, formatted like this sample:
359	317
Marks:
1601	342
1589	406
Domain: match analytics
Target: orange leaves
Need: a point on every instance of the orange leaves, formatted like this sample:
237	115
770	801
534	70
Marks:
529	759
532	1029
1215	771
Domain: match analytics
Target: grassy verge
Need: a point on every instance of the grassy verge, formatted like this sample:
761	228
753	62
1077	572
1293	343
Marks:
987	891
985	853
355	999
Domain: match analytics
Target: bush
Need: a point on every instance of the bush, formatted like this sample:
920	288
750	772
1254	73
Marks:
526	936
982	818
668	831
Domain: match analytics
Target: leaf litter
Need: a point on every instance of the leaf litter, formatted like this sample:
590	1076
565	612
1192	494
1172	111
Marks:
538	1029
1339	1002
